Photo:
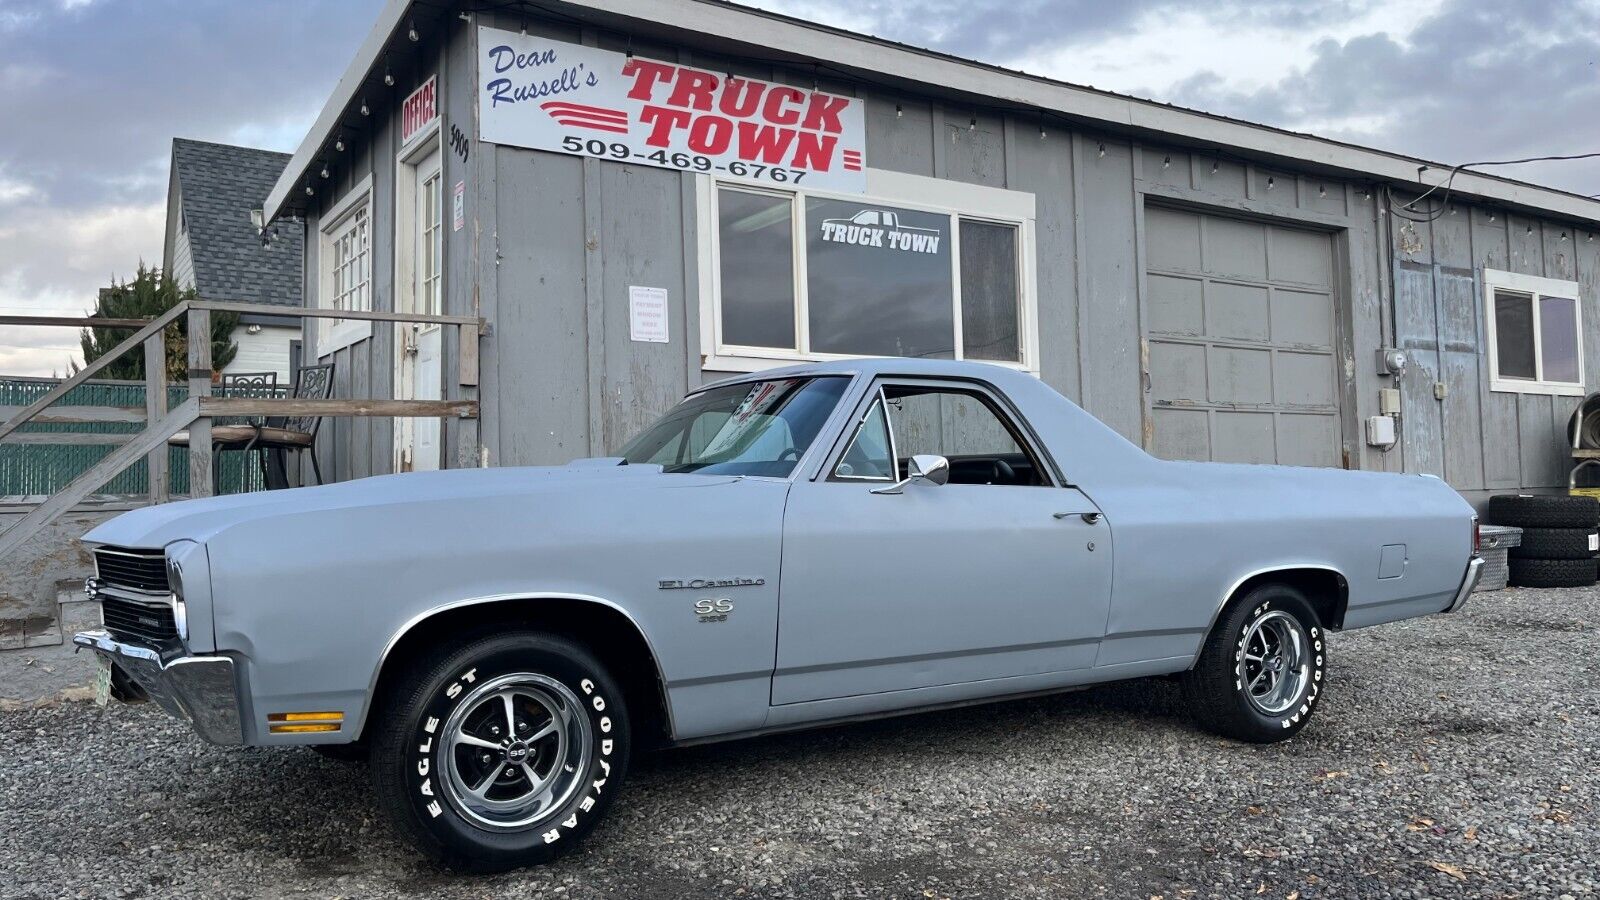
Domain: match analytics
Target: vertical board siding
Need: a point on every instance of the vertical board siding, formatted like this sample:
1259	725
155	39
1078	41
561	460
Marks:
1491	440
552	243
1109	328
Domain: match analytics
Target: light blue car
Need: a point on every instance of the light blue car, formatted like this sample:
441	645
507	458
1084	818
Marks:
805	546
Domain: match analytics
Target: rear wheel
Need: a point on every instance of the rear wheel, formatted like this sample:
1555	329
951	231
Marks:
503	752
1260	672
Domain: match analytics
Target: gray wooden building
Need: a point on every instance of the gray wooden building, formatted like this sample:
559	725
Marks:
641	195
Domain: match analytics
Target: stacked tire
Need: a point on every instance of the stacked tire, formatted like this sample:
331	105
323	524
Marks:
1560	538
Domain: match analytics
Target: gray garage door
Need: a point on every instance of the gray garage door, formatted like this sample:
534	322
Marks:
1241	336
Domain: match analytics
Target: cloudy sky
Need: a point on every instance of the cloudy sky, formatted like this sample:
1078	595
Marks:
93	91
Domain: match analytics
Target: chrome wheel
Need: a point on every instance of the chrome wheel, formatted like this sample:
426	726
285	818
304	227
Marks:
1275	666
514	750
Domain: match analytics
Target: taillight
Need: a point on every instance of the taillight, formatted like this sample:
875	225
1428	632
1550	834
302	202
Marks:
1477	536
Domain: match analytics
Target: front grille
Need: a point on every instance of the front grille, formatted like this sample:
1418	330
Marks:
140	570
144	572
128	620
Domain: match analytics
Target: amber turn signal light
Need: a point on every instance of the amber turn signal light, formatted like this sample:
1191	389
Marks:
303	722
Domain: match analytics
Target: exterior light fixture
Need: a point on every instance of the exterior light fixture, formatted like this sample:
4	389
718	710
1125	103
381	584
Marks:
899	111
310	191
1322	190
365	110
388	77
1102	149
412	33
324	173
338	142
1166	162
1271	182
1214	166
973	125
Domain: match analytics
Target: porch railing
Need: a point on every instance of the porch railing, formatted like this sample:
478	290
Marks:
195	413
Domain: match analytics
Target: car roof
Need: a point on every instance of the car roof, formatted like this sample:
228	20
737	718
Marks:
874	367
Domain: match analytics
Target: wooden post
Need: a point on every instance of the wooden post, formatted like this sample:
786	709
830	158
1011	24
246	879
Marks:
155	409
200	461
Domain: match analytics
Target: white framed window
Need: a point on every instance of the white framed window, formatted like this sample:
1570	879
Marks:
345	261
1535	328
917	267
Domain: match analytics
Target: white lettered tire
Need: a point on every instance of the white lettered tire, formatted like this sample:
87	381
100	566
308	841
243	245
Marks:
502	752
1261	673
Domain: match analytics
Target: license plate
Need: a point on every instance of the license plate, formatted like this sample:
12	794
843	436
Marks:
102	681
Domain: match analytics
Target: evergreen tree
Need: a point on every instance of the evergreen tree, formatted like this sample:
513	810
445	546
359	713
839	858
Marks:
151	293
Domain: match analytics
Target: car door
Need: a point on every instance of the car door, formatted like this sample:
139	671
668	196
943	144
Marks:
1003	571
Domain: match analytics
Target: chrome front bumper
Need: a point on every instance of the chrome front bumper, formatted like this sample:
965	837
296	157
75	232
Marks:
1474	572
201	689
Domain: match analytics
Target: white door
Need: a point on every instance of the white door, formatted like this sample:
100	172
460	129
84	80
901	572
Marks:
421	363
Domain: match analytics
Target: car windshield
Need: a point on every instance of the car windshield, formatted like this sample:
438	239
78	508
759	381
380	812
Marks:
759	428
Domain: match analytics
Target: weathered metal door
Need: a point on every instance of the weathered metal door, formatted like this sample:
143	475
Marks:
1239	341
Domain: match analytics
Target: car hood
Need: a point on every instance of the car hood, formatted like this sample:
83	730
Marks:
198	520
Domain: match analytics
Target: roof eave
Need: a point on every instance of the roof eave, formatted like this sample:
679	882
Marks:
777	35
344	93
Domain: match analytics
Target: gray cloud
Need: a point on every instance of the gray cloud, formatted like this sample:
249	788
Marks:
93	93
1480	80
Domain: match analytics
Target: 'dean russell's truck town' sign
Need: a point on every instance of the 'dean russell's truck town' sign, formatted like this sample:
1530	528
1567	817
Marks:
567	98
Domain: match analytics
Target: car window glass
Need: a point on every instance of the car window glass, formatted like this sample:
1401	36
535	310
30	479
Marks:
964	428
869	456
756	428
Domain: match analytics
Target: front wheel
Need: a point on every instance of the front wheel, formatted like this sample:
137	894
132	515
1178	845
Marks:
1260	673
503	752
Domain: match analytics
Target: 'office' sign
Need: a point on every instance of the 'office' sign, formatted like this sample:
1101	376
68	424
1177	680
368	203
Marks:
567	98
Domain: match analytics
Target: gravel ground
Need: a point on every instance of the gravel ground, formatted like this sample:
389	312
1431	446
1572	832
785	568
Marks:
1456	756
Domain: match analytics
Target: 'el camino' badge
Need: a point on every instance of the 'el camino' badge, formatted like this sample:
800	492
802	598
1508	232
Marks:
696	584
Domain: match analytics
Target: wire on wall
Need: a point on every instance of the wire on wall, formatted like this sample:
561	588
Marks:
1448	184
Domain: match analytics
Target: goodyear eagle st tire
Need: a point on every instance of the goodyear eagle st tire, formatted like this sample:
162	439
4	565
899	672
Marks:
1555	543
1549	573
1260	672
1544	511
501	752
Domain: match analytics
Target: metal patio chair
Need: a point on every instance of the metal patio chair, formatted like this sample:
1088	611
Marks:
279	434
297	434
234	432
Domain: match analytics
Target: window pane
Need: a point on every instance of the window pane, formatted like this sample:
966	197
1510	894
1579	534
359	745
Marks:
1558	338
966	430
1513	335
760	428
757	250
869	453
879	280
989	291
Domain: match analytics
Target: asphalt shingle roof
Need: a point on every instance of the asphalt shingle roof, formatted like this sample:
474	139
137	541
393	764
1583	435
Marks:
220	184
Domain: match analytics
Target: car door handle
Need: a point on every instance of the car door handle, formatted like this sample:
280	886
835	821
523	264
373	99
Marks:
1090	517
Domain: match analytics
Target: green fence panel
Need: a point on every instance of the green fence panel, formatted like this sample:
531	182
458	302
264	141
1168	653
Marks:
31	470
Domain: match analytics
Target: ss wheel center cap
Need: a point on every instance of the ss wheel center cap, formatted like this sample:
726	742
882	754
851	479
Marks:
516	753
1275	663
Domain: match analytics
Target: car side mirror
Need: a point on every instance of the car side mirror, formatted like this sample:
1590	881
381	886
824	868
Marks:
927	467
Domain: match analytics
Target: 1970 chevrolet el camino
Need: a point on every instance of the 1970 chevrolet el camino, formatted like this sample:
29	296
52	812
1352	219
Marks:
792	548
